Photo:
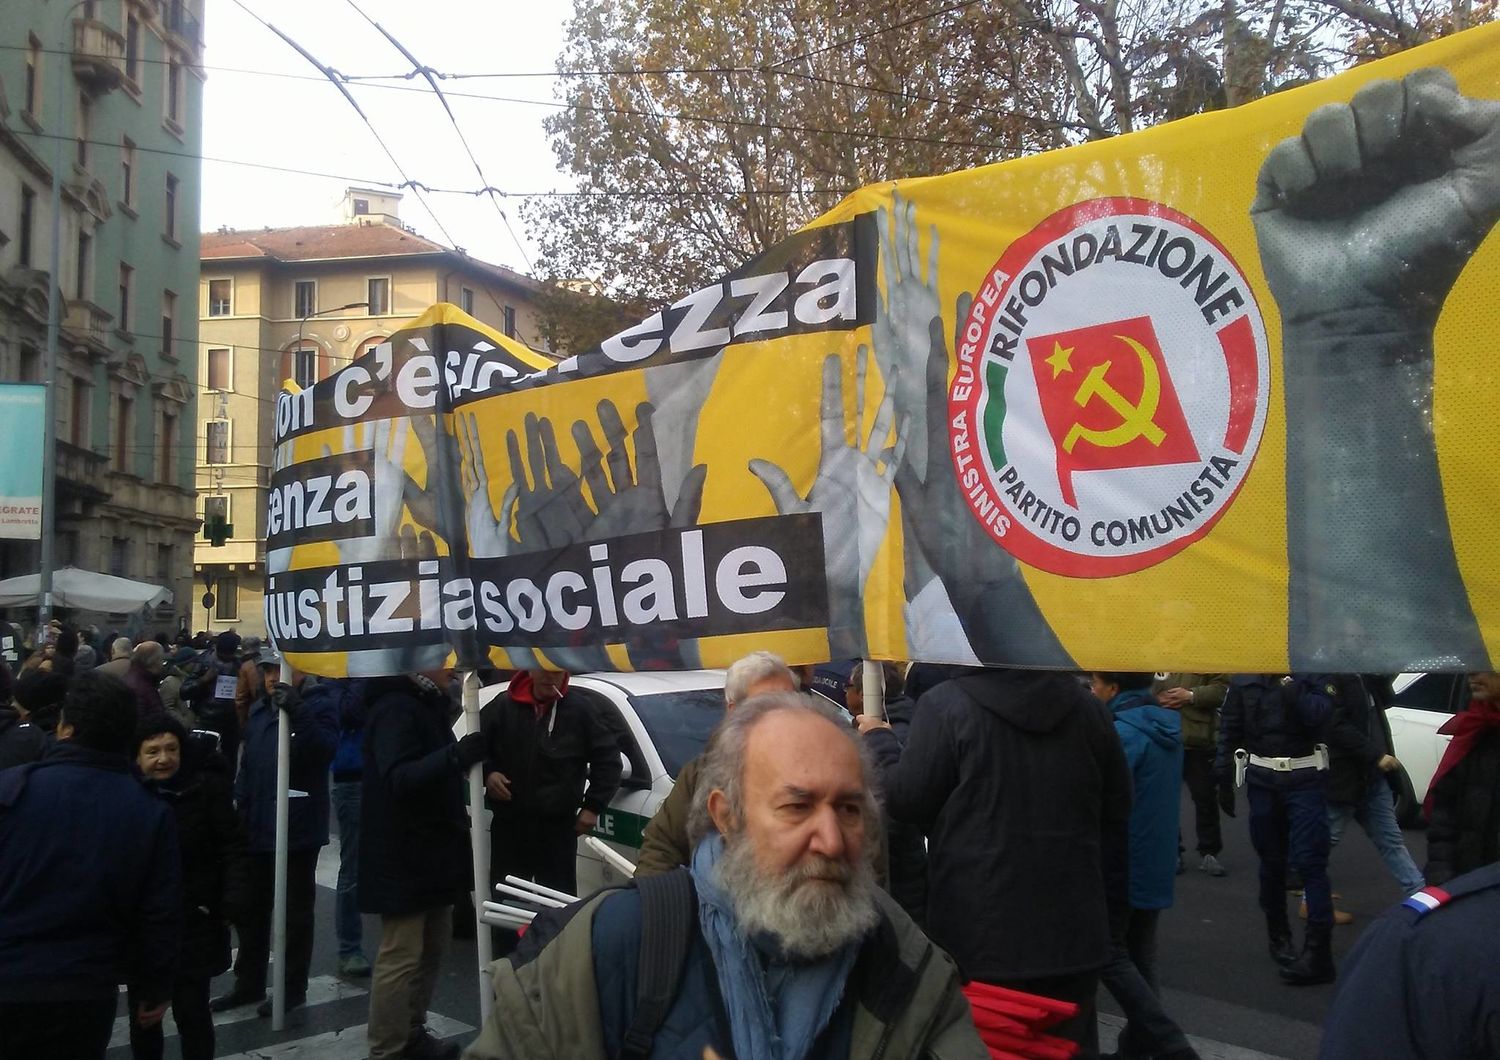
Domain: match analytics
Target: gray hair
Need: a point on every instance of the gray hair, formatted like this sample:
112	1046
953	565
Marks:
723	761
119	648
148	653
750	671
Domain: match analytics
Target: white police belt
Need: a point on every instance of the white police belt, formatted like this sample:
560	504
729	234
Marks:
1317	760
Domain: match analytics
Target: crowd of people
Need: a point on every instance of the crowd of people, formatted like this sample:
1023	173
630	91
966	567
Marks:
824	880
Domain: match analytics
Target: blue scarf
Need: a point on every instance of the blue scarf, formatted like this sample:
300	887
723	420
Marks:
777	1008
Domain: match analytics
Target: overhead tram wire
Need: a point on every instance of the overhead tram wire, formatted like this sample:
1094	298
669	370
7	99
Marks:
336	79
427	72
381	182
374	81
339	80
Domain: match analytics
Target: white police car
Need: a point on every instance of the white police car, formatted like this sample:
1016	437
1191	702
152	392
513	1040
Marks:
664	720
1423	702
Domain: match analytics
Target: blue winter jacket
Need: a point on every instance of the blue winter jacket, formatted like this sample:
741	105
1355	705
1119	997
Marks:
90	880
315	734
1152	738
348	695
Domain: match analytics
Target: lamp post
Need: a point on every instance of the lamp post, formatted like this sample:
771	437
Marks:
283	793
48	550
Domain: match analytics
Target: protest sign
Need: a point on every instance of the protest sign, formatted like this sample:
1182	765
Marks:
1211	396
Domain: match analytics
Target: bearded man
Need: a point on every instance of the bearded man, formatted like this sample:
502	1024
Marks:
792	950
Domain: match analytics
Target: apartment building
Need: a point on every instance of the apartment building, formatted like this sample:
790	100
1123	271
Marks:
299	303
108	95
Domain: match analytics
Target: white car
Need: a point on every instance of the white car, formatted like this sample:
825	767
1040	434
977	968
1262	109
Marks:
1423	702
664	721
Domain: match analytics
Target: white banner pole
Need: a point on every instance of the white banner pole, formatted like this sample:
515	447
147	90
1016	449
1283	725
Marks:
479	845
278	915
872	674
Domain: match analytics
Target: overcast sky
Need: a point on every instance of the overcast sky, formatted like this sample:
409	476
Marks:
307	125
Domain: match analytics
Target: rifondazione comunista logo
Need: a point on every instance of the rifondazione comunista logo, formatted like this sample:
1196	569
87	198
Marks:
1112	386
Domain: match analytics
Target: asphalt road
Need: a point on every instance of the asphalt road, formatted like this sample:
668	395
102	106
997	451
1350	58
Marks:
1217	978
1218	982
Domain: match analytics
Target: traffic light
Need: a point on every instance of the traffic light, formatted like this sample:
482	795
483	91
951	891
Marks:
217	530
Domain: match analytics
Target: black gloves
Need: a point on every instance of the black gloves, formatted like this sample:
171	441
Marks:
285	697
1226	793
470	751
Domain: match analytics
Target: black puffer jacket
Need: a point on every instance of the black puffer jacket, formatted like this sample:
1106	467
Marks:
20	741
549	755
1358	737
413	828
1464	831
906	873
211	841
1018	780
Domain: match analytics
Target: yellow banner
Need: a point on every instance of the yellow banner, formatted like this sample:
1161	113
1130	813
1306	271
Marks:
1209	397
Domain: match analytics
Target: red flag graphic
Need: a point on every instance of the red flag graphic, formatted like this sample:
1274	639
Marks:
1108	400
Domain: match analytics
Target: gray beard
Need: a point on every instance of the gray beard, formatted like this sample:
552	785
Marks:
808	918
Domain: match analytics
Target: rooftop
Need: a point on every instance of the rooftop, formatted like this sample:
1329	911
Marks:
339	241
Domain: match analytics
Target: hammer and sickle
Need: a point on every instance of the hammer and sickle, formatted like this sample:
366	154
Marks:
1136	420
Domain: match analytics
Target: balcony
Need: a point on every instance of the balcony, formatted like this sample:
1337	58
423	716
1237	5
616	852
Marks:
182	25
81	479
89	326
98	55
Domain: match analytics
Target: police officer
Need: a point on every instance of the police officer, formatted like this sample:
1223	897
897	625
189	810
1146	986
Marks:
1422	982
1271	740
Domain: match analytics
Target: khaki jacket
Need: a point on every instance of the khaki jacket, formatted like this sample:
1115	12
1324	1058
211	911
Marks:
548	1009
664	845
1200	718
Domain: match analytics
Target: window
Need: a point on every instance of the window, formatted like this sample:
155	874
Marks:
679	722
164	563
127	276
127	171
168	322
85	260
220	298
67	548
219	370
361	206
82	156
368	345
124	424
379	296
133	48
227	599
28	221
305	366
166	463
217	450
466	300
34	77
171	204
174	91
508	321
304	298
119	557
78	420
29	370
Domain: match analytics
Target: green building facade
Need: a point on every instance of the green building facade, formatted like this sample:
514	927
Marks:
110	93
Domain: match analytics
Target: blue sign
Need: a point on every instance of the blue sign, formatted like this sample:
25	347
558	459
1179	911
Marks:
23	408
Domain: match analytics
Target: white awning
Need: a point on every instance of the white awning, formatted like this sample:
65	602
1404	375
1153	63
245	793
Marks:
84	589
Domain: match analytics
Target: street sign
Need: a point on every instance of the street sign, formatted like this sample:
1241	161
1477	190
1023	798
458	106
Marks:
207	601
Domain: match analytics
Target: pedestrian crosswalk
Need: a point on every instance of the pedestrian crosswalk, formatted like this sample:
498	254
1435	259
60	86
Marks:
346	1044
321	990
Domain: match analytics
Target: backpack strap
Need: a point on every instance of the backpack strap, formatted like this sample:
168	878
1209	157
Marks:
668	920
